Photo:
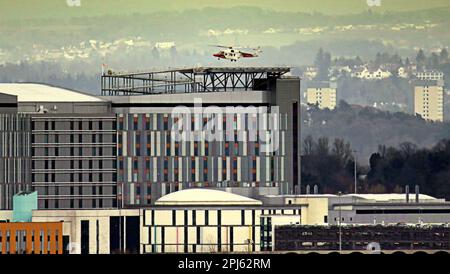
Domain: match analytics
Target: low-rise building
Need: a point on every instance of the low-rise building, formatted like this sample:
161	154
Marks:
430	75
209	220
31	238
371	73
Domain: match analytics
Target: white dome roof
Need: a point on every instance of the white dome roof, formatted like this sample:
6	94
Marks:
202	196
45	93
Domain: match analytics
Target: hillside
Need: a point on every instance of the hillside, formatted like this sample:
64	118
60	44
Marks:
365	128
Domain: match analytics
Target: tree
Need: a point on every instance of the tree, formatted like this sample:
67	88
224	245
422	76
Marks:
421	59
323	63
434	61
174	54
408	149
407	62
342	151
155	53
443	56
378	59
308	145
322	146
408	165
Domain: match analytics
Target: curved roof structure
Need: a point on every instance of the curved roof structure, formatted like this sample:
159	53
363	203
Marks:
44	93
202	196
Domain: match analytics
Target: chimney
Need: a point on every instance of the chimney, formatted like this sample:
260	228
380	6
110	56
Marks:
307	190
417	193
316	189
407	193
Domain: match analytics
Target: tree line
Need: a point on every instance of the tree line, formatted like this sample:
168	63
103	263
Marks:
330	166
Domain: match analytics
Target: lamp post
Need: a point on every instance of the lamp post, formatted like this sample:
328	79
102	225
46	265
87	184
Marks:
120	217
340	218
354	169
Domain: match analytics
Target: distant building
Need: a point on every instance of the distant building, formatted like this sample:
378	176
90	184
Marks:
430	75
322	94
429	100
371	73
402	72
165	45
310	73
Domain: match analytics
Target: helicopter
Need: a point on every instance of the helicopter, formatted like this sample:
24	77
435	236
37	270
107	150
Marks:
235	53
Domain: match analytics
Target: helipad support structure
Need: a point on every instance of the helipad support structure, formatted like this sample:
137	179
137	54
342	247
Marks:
202	79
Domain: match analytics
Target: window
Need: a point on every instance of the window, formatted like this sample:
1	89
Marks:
174	217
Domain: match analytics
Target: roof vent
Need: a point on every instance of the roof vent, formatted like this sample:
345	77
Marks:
417	193
41	109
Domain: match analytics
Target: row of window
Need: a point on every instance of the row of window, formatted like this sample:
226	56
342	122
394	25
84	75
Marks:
38	240
73	125
197	121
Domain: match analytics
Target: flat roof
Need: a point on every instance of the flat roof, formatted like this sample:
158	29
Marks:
391	197
28	92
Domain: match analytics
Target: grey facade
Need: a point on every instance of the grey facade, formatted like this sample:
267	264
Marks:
73	160
15	156
64	149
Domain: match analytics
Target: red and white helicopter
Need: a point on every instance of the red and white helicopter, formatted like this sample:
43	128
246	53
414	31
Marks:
234	53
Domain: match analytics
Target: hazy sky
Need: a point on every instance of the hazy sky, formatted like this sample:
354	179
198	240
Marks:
21	9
